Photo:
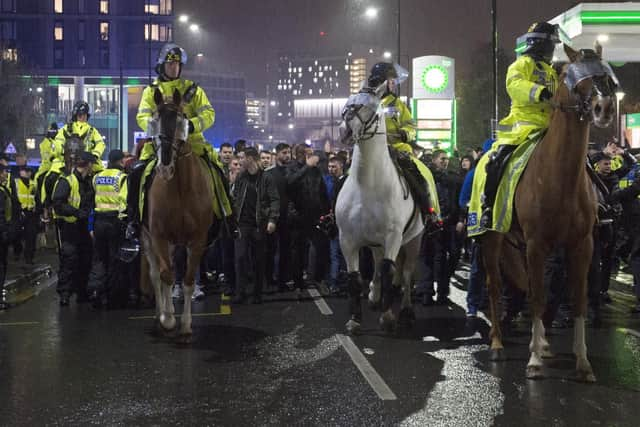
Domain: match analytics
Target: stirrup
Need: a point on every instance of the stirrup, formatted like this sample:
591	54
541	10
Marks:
133	231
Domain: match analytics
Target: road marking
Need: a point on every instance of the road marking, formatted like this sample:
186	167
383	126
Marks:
629	332
19	323
320	302
222	313
373	378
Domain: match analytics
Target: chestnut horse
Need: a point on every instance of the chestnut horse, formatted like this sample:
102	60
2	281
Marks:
555	205
179	210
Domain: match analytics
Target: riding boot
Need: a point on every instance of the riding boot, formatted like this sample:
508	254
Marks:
133	195
495	168
417	185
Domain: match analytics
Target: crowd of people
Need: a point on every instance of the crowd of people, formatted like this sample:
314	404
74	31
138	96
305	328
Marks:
276	207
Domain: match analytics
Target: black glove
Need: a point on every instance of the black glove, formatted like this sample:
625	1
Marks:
545	95
403	135
82	213
191	128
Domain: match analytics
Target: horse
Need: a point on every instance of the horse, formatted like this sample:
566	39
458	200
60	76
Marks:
555	206
179	210
375	209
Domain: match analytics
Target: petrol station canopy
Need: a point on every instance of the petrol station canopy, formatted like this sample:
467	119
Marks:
616	26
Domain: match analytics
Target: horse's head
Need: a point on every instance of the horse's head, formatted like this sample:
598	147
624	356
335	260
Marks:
73	147
169	129
589	86
361	119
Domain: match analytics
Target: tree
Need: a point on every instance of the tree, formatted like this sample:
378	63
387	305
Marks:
21	107
475	98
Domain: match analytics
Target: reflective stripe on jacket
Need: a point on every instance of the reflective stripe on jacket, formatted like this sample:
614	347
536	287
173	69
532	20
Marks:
107	185
398	117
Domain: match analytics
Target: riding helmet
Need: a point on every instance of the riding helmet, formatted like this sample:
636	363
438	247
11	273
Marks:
380	72
541	39
80	107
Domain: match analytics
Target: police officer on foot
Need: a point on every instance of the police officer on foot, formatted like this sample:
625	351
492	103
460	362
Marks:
6	225
106	225
73	199
26	188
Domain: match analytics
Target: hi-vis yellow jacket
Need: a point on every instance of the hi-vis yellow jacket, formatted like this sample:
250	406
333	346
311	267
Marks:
108	185
398	117
526	79
198	109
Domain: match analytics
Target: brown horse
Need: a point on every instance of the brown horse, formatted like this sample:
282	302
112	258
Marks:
179	210
555	206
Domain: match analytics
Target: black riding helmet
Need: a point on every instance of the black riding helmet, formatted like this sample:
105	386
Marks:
80	107
380	72
53	130
170	52
541	40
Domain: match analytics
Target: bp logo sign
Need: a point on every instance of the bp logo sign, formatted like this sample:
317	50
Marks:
435	78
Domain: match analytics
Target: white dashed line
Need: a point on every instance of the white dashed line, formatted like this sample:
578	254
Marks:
320	302
373	378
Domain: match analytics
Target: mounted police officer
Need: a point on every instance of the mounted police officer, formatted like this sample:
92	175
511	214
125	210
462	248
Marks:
201	115
73	199
531	83
80	126
401	130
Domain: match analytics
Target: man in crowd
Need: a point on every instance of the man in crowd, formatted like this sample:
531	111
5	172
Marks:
278	243
226	154
73	200
308	202
257	207
265	160
337	264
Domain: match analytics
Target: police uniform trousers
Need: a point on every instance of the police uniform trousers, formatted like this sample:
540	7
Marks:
75	258
4	253
29	233
107	235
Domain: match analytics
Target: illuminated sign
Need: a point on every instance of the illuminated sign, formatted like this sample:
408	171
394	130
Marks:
435	78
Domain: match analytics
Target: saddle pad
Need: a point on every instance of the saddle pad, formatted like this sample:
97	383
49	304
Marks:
503	206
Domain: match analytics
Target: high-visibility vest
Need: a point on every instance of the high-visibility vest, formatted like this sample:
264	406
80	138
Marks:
7	203
26	194
57	165
74	196
107	185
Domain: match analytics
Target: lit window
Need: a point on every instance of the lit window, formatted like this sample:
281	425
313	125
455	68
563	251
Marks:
104	31
158	7
104	7
58	31
57	6
10	55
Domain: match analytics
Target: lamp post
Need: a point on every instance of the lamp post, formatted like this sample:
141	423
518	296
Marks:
619	98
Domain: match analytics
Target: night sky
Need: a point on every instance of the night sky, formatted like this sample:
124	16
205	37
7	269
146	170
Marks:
245	35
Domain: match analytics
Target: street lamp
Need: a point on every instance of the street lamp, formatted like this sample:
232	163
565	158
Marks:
619	98
371	13
194	28
183	18
387	55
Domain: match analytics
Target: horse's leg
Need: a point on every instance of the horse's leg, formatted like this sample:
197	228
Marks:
158	287
354	284
194	255
374	285
408	257
163	257
536	254
578	259
387	272
491	248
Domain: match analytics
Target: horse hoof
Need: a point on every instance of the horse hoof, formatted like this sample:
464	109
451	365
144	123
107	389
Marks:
406	318
387	323
168	323
184	339
497	355
585	377
534	372
353	327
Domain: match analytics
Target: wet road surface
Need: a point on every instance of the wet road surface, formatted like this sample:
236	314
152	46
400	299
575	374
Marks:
286	363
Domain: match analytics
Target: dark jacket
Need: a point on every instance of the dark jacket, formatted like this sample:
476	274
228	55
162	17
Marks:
278	174
337	186
448	195
6	227
60	198
267	203
308	199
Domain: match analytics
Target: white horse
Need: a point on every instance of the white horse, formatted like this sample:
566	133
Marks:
375	209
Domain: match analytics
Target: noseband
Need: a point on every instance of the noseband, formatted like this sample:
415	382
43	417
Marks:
177	140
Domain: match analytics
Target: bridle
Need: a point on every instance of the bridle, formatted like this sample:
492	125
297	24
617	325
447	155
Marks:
176	141
603	86
370	125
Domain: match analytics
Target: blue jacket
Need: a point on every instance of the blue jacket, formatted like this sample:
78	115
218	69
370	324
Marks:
465	191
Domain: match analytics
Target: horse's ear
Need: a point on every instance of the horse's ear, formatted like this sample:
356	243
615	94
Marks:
380	90
157	97
177	98
572	54
598	48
